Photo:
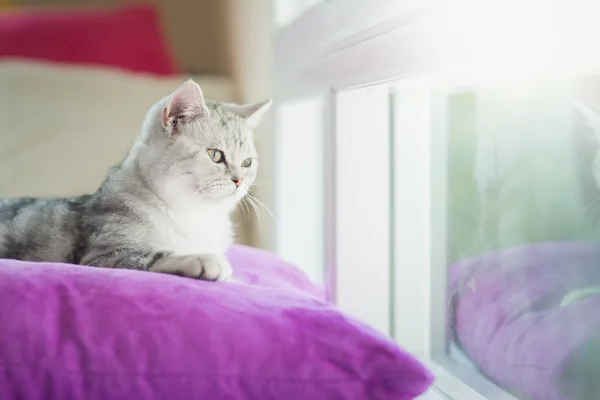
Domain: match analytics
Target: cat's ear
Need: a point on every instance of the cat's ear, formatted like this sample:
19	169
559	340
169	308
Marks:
252	113
185	104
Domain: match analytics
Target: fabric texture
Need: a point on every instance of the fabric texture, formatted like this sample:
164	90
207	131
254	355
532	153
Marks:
509	317
129	38
72	332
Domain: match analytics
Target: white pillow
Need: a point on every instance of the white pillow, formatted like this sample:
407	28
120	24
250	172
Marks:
62	127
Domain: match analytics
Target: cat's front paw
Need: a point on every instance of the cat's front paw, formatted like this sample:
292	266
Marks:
209	267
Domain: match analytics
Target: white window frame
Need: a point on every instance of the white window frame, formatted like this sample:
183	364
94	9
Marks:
363	212
345	44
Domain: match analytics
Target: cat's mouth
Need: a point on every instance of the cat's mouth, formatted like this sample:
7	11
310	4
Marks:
222	189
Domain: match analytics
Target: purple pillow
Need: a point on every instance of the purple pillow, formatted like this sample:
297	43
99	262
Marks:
72	332
511	324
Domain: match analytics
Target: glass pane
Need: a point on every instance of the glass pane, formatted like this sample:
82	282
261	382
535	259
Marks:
299	185
524	235
362	204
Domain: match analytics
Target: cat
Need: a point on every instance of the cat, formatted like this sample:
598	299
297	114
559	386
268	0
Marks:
165	208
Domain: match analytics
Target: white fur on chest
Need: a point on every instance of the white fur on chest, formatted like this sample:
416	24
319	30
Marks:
203	231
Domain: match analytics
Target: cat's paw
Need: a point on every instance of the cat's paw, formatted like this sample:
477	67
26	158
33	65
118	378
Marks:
209	267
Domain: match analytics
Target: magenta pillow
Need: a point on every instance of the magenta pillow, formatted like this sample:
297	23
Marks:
130	38
72	332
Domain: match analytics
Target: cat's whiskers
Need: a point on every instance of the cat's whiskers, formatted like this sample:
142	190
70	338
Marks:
263	206
250	205
244	209
259	209
259	213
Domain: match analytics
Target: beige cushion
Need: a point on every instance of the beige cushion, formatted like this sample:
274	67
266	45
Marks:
62	127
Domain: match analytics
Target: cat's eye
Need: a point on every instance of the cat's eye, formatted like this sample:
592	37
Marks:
216	155
247	163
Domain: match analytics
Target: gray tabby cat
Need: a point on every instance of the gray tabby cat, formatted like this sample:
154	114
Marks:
165	208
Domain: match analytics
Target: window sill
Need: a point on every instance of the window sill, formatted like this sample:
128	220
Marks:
432	394
456	382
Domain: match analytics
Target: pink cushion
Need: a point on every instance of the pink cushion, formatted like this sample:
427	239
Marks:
130	38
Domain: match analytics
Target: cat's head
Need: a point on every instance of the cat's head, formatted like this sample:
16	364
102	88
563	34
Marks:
193	148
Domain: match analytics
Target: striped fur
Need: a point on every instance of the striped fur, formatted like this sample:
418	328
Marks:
165	208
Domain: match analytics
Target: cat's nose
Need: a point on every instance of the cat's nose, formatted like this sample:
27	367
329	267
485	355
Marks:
237	181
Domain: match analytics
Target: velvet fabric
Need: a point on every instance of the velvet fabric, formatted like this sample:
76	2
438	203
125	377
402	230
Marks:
74	332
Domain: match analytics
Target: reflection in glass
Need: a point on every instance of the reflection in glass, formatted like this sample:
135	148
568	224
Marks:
523	236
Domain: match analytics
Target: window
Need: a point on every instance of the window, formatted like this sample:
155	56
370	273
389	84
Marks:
523	232
460	177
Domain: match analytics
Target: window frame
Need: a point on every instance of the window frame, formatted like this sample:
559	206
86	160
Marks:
355	54
313	78
368	269
430	344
